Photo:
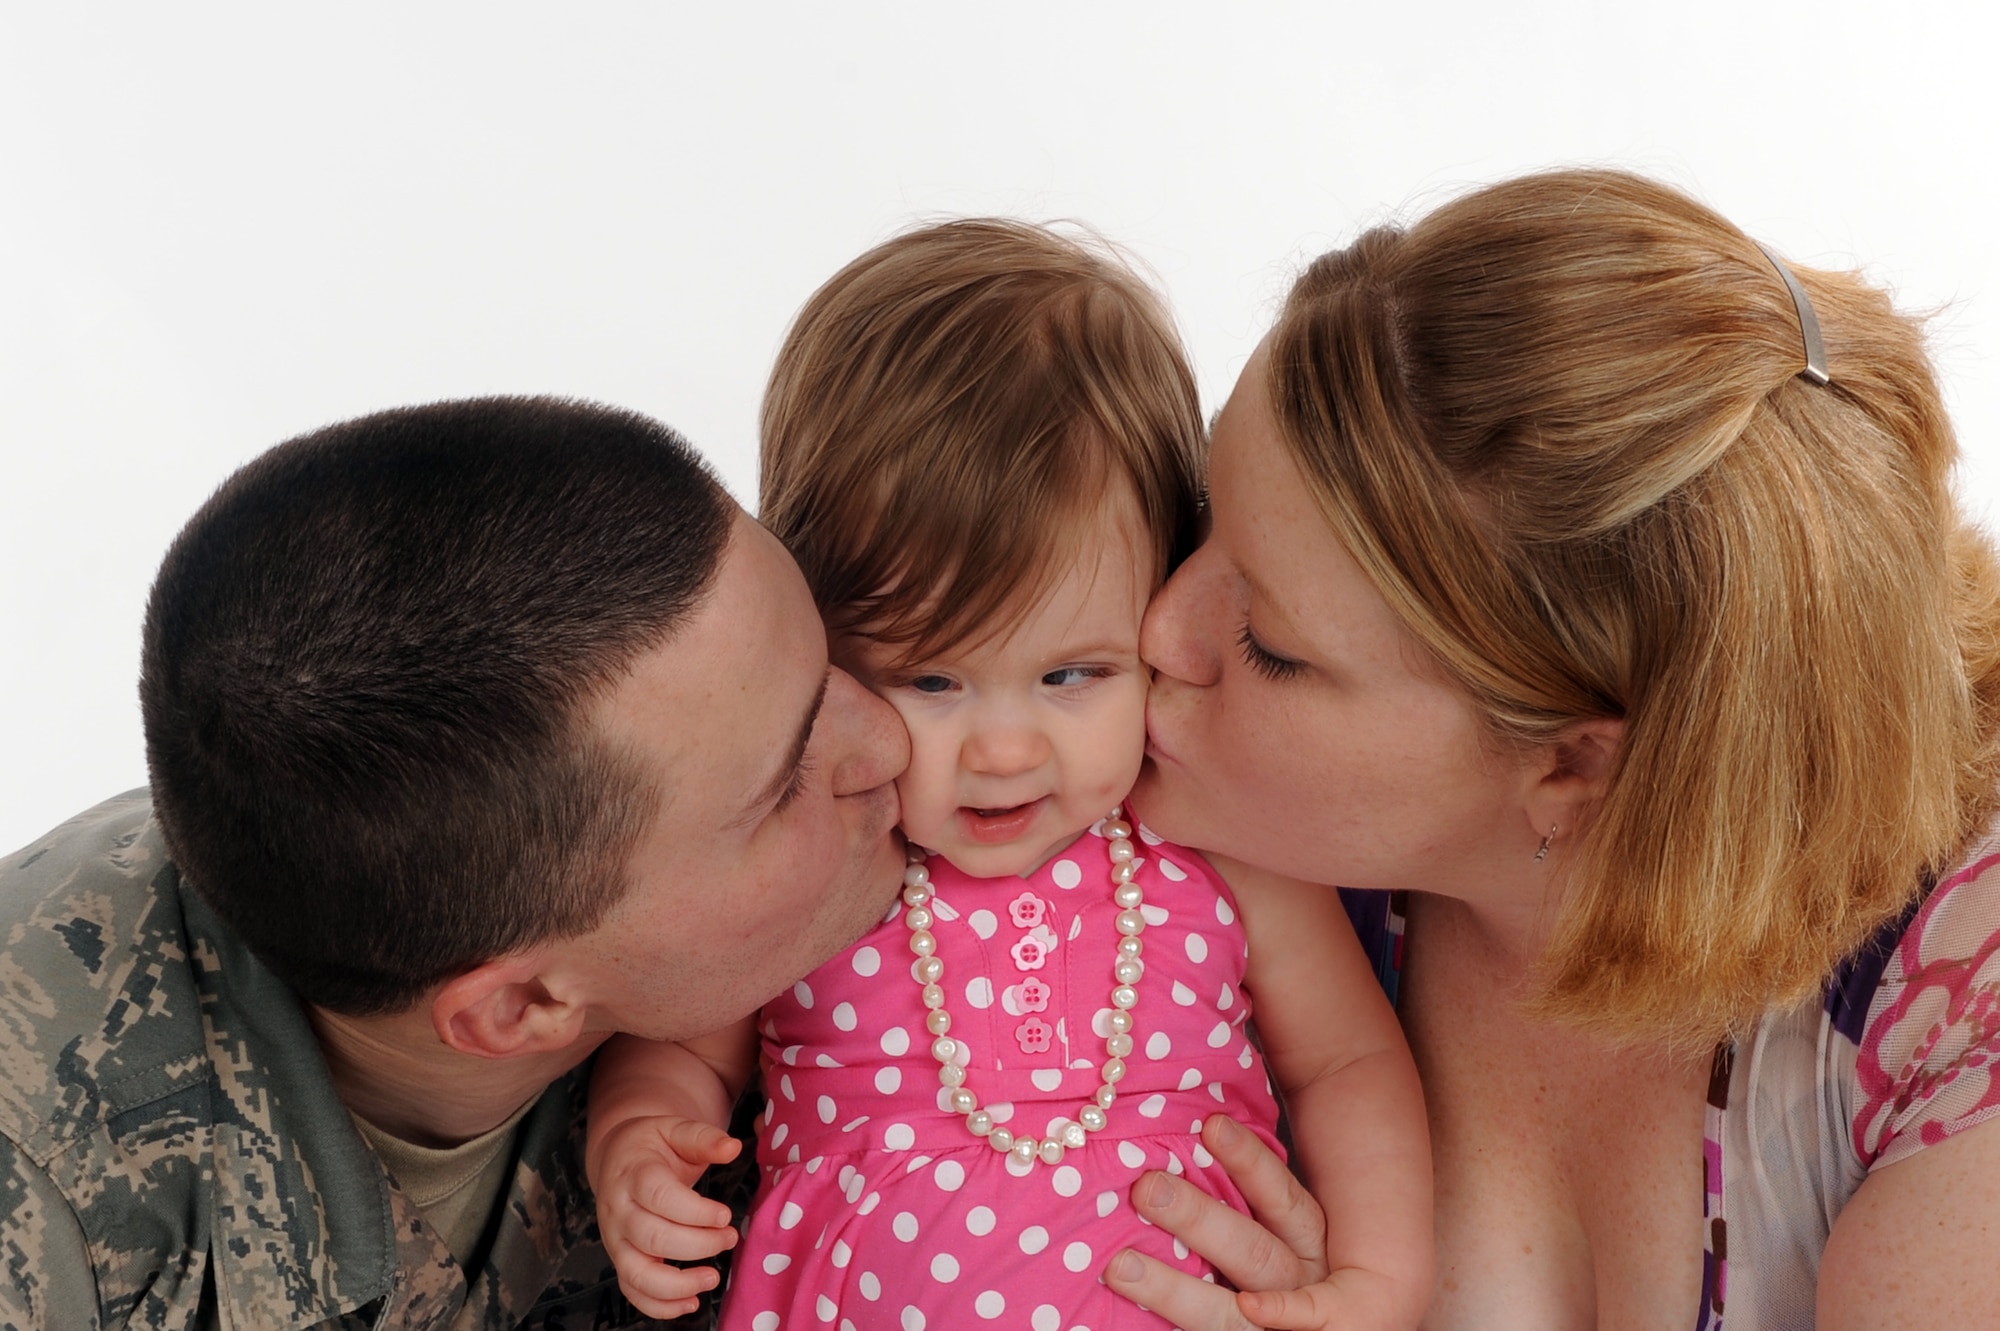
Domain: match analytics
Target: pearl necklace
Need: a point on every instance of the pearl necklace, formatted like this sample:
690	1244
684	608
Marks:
928	971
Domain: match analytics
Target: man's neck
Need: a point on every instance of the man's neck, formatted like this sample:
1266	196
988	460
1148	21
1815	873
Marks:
394	1072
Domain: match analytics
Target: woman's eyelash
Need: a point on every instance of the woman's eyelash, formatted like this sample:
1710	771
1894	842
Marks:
796	786
1263	660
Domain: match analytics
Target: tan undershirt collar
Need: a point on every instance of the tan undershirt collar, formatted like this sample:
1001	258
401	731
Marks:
457	1188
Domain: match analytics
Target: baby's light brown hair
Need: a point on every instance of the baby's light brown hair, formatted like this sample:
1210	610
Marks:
949	412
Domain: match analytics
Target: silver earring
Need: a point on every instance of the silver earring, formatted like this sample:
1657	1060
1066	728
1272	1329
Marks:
1543	853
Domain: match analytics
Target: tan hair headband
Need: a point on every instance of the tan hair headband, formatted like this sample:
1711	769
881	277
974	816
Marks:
1815	369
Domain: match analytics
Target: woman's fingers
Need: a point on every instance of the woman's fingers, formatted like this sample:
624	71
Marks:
1277	1199
1194	1305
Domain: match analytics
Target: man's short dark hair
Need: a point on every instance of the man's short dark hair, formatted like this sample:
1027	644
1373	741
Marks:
367	660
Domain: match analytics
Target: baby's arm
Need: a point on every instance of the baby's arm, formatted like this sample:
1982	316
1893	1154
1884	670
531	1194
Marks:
1357	1111
659	1116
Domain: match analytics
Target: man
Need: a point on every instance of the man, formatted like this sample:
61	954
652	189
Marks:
477	732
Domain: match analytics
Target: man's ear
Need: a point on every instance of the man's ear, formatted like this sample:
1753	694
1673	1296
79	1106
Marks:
1573	775
506	1007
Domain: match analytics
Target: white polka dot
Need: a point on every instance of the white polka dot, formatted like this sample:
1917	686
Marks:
1172	871
1019	1168
1107	1202
803	992
1132	1155
871	1286
899	1136
853	1189
916	1162
848	1173
1246	1058
1048	1317
913	1319
847	1324
828	1110
1174	1165
1155	915
944	1101
1100	1023
790	1054
842	1254
1046	1079
889	1079
1180	1251
1224	915
1077	1255
826	1308
853	1123
764	1321
979	992
1183	995
1227	999
950	1175
868	1203
825	1061
867	961
1215	1089
1158	1045
944	1268
1002	1111
1190	1079
1075	928
775	1262
1197	950
1033	1239
790	1214
979	1221
785	1086
1219	1036
812	1165
984	923
1066	1181
1066	873
1153	1106
895	1042
844	1018
1201	1156
904	1226
778	1136
990	1304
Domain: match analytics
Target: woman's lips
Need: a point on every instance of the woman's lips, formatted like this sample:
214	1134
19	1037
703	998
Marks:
991	827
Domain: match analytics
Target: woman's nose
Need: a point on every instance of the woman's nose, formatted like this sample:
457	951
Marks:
1179	637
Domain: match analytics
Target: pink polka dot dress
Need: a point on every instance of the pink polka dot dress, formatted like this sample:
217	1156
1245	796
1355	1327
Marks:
879	1208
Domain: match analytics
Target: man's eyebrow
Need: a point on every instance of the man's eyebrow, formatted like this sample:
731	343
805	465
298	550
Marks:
769	792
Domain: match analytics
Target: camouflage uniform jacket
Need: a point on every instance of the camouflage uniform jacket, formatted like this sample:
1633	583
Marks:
173	1154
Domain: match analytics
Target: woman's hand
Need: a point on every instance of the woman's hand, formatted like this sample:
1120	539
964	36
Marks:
1278	1252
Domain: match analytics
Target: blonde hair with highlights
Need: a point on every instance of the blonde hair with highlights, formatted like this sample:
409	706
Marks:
1560	424
949	410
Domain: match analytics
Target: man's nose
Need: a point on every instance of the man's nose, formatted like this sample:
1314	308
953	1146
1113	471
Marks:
870	747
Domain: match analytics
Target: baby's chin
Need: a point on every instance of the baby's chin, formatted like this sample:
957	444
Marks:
1007	860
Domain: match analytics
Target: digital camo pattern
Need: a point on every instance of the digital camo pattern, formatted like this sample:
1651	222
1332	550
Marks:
173	1154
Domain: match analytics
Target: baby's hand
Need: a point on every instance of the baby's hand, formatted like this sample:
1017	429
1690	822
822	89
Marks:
647	1209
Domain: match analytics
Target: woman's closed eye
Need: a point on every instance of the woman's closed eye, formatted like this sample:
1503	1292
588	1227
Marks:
1265	661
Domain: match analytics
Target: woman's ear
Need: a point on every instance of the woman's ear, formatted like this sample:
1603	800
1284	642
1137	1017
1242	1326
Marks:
505	1007
1572	776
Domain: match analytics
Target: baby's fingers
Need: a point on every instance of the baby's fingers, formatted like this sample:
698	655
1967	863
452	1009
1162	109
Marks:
655	1237
663	1291
699	1143
658	1190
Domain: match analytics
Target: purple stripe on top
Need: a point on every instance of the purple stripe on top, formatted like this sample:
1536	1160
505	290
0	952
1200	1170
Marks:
1852	987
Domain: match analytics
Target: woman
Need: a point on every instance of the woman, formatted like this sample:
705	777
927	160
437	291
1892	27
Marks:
1552	583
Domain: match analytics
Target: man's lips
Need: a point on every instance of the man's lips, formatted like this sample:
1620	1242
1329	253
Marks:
991	826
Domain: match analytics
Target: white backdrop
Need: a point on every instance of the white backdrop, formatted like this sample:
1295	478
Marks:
220	226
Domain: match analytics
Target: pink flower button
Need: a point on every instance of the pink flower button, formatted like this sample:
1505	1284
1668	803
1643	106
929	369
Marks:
1034	995
1029	954
1027	910
1033	1035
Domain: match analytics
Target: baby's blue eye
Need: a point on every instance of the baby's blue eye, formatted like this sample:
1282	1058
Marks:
930	683
1070	676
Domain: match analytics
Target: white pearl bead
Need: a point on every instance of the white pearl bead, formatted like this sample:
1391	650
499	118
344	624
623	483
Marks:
1025	1149
1092	1116
1119	1046
1001	1139
1131	922
1124	996
1121	1022
1128	896
944	1049
951	1074
1122	874
1051	1152
923	942
963	1101
1073	1135
937	1021
1106	1096
1131	946
920	917
916	875
1113	1071
930	969
1122	851
934	995
916	896
980	1122
1129	970
1117	829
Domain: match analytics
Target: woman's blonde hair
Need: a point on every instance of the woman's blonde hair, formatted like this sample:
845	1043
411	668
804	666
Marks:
950	409
1560	424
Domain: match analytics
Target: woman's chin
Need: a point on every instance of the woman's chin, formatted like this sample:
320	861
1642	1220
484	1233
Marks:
1154	796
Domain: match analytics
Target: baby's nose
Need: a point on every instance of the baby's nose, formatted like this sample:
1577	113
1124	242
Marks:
1005	749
